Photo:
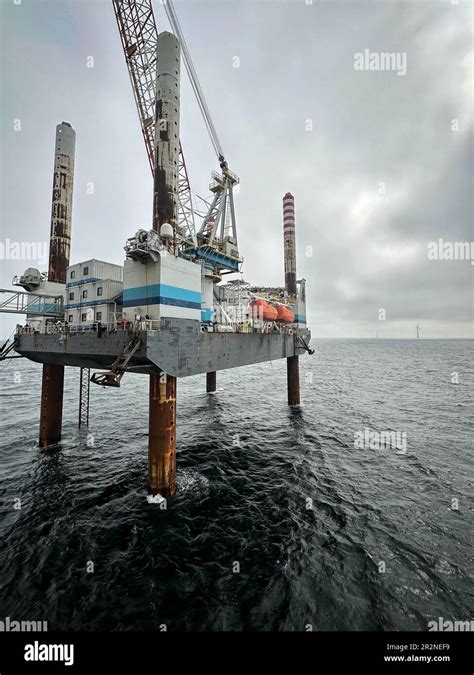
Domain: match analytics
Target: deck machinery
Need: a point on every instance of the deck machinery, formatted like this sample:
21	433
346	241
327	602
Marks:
174	321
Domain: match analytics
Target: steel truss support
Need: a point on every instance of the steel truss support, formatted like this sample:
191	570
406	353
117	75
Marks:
219	221
84	392
22	302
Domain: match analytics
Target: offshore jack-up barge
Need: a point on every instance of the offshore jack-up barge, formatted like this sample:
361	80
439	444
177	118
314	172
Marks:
165	314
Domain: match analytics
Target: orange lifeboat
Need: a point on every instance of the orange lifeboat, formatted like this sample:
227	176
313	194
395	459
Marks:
259	309
284	315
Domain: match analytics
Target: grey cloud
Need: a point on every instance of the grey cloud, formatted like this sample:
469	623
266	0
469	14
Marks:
296	63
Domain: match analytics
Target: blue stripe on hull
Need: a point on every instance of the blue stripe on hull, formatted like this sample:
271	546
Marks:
161	290
161	300
161	294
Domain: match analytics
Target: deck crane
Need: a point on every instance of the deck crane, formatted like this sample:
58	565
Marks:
216	240
138	34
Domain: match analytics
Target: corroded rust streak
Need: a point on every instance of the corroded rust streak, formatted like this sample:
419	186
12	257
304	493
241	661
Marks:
293	377
290	283
211	382
51	405
162	435
163	201
60	236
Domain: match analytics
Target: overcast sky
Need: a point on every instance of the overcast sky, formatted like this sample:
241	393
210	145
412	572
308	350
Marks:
376	164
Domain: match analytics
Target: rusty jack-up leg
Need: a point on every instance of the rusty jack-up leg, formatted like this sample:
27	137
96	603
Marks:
162	435
211	382
293	375
51	405
52	388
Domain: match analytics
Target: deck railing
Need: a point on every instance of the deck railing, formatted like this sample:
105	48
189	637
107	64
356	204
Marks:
62	327
110	327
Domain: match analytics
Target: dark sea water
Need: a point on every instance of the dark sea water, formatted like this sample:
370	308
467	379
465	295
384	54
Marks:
280	493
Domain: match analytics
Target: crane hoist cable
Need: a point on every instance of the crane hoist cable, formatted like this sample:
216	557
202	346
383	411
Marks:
173	19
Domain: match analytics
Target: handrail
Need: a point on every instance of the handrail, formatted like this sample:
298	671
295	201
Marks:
110	327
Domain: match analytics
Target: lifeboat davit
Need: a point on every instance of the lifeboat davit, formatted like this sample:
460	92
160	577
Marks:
284	315
259	309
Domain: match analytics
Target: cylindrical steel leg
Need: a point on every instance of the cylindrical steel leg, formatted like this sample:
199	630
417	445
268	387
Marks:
162	435
211	382
293	377
51	405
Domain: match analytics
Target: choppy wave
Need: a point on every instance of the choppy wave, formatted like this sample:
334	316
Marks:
278	522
